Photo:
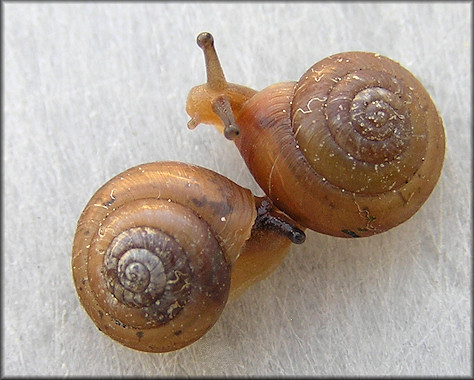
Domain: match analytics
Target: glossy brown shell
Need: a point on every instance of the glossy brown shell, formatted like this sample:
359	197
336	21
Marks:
153	252
352	149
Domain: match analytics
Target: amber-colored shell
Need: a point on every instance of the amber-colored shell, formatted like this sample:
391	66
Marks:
153	252
352	149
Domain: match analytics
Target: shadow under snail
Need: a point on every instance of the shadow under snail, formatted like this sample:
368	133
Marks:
352	149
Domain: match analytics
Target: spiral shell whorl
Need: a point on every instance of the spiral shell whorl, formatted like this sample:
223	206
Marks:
153	252
352	149
357	112
367	117
145	267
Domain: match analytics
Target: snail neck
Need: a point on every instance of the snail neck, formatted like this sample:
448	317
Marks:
269	243
271	218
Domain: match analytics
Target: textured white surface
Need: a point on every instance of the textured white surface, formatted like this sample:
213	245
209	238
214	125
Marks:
93	89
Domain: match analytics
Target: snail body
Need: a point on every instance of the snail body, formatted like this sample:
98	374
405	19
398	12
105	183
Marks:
161	247
352	149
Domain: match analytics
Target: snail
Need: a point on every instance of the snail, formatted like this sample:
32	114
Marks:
352	149
160	248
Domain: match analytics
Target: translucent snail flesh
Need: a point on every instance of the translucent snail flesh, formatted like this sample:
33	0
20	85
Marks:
161	247
352	149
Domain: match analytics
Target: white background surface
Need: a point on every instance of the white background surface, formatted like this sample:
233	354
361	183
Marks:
93	89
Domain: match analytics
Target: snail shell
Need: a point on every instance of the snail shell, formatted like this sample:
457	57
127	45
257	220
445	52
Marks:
352	149
153	252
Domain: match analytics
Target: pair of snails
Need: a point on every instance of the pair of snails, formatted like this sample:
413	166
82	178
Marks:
352	149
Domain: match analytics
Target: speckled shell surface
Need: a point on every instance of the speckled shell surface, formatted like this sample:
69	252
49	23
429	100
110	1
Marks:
352	149
153	252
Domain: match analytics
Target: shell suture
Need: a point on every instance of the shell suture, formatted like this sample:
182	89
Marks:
356	149
360	120
145	267
153	252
